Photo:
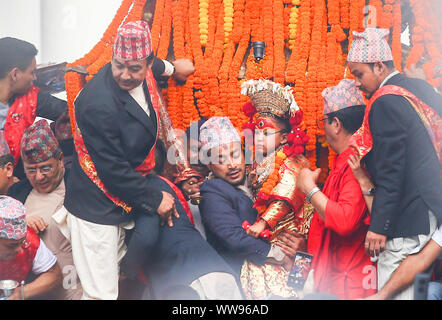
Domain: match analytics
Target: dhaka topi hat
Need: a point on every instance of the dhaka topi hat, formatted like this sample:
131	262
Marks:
38	143
133	41
12	219
218	131
344	95
370	46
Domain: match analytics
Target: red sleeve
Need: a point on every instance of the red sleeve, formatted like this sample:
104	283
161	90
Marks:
345	215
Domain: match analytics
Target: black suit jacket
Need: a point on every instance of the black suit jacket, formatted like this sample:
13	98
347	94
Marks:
223	210
403	163
118	135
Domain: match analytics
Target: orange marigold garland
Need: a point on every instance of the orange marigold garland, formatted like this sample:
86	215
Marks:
268	16
267	187
345	14
228	20
204	21
333	12
166	26
293	23
157	23
278	42
396	37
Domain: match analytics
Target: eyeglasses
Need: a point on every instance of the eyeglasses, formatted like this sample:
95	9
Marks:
45	170
320	123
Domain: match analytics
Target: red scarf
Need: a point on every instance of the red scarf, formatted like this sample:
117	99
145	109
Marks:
20	115
87	164
362	140
19	268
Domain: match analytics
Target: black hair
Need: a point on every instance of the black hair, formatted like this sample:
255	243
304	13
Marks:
389	64
15	53
351	118
5	159
149	59
285	124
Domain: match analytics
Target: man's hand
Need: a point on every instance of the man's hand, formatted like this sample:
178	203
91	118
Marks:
374	243
307	179
37	223
191	187
167	208
290	242
183	69
16	294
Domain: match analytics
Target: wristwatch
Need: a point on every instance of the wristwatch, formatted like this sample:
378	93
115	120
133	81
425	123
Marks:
369	192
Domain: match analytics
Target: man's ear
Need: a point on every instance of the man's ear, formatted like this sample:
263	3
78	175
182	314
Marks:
9	167
337	125
61	159
380	68
14	73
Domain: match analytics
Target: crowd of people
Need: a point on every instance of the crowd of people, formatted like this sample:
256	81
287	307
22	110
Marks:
97	211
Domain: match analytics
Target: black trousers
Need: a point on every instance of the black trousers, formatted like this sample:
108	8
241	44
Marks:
140	241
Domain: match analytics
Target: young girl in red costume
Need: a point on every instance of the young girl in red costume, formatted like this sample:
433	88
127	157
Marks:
279	144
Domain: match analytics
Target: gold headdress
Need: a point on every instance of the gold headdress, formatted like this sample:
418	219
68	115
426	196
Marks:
269	97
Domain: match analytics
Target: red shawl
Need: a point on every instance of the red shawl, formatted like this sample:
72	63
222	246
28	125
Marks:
20	115
362	140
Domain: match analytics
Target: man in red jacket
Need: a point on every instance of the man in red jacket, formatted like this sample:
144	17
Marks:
337	232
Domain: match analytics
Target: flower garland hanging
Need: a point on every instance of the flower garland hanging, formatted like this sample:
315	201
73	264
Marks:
178	19
293	23
197	53
333	10
257	31
238	20
155	31
267	17
203	21
166	26
228	20
345	13
396	37
278	42
136	13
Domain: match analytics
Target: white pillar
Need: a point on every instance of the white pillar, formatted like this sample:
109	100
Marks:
21	19
70	28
